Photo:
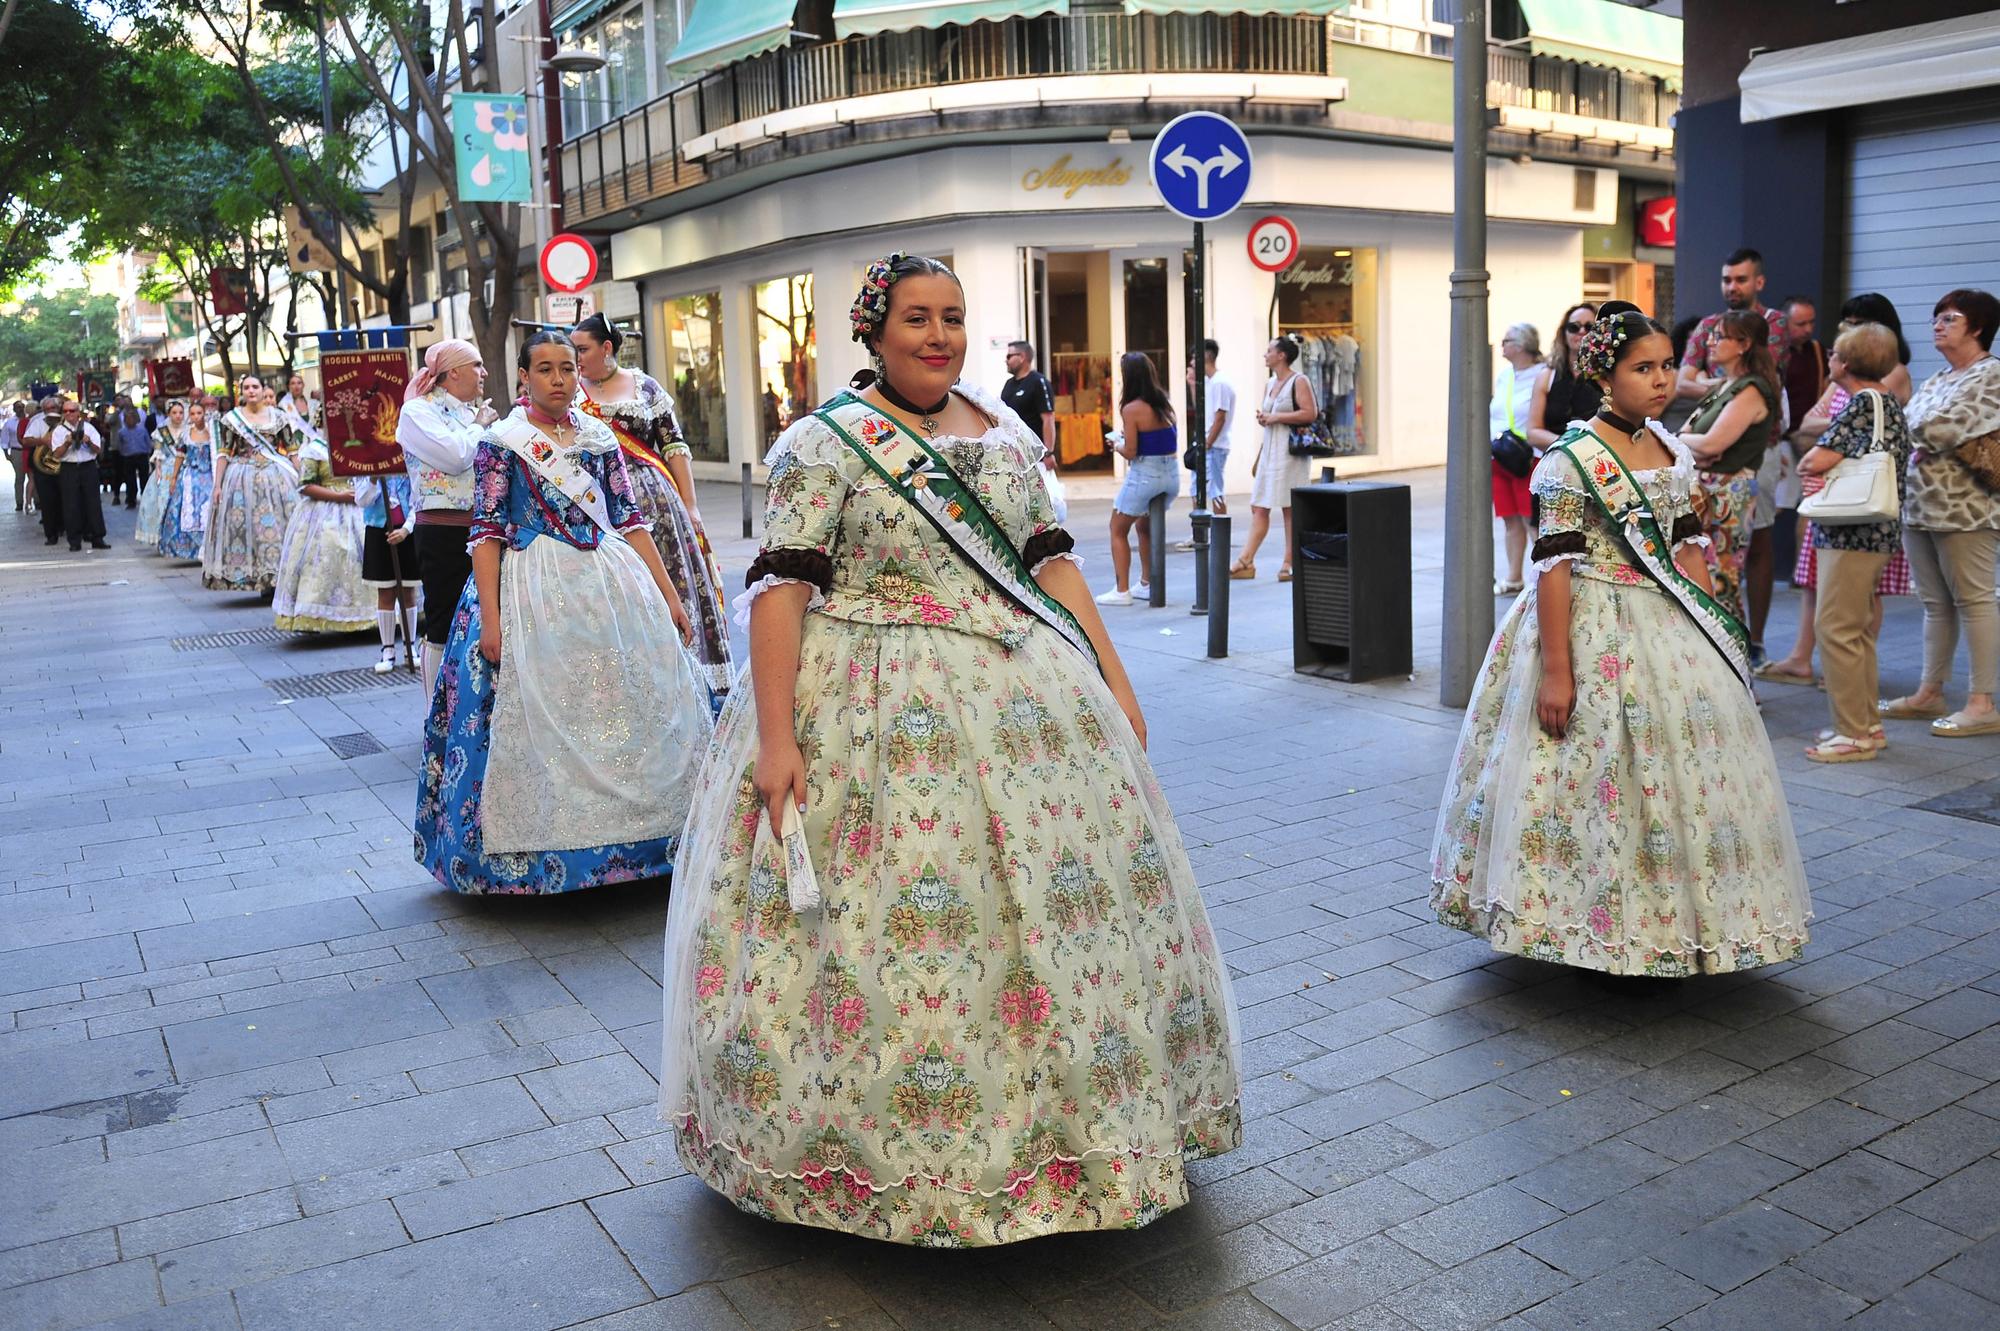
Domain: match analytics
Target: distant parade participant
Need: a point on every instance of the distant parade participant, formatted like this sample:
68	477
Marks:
77	445
389	563
442	418
298	404
319	587
256	489
641	413
567	723
164	470
185	519
47	467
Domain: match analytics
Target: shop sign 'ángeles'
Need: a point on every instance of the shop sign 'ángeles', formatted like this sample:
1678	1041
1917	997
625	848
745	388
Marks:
1070	179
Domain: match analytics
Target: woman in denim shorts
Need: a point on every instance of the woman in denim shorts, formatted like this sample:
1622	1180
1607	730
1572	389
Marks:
1149	444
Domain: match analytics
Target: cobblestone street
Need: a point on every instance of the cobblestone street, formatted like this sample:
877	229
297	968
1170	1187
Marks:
257	1070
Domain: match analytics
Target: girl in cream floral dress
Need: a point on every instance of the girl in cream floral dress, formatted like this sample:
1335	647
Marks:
1006	1016
1614	803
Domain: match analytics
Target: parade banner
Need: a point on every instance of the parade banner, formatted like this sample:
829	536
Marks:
491	133
304	250
229	291
364	398
95	386
170	378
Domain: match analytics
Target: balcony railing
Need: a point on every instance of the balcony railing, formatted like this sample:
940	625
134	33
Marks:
643	155
1569	87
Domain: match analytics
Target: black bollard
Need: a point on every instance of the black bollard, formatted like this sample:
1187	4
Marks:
1198	523
1218	586
746	501
1156	555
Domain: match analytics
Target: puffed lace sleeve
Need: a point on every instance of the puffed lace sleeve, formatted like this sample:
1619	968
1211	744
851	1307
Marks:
1045	540
803	498
669	436
1565	511
1683	522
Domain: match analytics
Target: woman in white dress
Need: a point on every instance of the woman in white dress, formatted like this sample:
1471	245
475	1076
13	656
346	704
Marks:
165	471
319	587
1288	401
567	722
256	489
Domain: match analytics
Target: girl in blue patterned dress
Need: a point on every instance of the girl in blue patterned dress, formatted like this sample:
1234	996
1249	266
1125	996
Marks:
567	721
186	517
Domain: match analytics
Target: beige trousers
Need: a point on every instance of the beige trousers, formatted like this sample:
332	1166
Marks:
1841	619
1954	577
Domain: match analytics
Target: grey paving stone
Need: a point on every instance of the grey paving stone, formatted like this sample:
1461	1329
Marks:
1915	1089
1332	1166
1977	1270
1795	1085
57	1257
1883	1253
199	1224
79	1198
1593	1174
321	1193
1816	1135
338	1099
214	1312
382	1134
239	1041
538	1144
67	963
1684	1079
1941	1142
1782	1300
1475	1295
1466	1114
1459	1231
1330	1116
491	1197
1736	1248
1639	1295
417	1051
1347	1216
1342	1281
1957	1015
1849	1189
484	992
1928	1305
1602	1236
179	1131
615	990
499	1275
32	1079
261	931
651	1159
263	1254
704	1309
1719	1181
482	1067
596	1086
86	1297
1699	1127
1965	1201
679	1234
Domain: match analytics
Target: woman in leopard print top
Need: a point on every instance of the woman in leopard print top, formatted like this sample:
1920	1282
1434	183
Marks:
1951	523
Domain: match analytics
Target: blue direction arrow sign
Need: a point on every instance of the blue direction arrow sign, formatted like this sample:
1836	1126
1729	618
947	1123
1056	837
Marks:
1200	165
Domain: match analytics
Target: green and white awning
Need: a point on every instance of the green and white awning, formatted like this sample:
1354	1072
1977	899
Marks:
722	31
571	17
1604	32
858	18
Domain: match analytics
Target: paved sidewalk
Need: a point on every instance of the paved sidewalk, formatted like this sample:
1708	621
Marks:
257	1071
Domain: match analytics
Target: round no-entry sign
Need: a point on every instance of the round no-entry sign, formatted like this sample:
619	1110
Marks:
1274	244
569	263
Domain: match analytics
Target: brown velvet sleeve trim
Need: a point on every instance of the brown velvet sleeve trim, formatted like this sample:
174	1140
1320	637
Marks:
805	565
1686	527
1559	543
1046	545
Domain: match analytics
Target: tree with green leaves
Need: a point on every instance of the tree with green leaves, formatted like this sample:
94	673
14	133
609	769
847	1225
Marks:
50	335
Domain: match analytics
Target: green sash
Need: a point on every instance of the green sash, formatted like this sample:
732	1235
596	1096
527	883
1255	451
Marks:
1624	504
927	481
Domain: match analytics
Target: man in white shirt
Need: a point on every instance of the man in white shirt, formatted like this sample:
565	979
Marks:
13	445
77	445
442	419
1219	401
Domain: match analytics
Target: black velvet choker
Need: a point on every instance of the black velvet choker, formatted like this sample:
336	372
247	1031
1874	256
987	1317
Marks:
889	390
1617	422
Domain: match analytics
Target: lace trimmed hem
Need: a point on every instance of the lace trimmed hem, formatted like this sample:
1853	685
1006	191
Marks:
685	1121
1442	892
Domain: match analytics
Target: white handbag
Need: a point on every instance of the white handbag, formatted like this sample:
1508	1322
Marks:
1858	490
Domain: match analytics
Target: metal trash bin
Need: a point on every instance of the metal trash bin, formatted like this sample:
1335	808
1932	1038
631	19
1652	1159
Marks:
1351	614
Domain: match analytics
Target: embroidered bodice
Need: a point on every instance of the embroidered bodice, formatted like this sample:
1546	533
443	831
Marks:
831	521
279	440
316	468
1574	528
649	415
513	505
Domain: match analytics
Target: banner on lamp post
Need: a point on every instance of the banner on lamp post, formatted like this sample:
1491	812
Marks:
490	133
364	400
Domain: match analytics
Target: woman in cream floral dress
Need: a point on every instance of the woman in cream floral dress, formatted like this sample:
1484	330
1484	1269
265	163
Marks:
1614	803
1006	1015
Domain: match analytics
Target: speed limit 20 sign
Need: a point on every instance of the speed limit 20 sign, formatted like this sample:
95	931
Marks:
1274	244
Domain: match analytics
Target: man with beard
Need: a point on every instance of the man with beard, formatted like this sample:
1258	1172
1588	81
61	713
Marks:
1742	284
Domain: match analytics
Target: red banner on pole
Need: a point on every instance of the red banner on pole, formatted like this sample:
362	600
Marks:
170	378
95	386
229	291
364	400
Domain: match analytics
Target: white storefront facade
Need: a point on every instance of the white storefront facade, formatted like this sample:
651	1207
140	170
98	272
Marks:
1064	243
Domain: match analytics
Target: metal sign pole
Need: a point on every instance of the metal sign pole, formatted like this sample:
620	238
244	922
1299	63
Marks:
1198	425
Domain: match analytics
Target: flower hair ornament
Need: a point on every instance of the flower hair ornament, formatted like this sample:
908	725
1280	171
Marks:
871	304
1597	354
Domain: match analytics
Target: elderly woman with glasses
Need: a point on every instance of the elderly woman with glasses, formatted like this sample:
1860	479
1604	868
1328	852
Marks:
1512	412
1951	522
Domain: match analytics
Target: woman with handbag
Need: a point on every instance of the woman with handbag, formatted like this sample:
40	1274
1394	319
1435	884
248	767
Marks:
1728	434
1146	441
1856	528
1289	402
1509	418
1951	527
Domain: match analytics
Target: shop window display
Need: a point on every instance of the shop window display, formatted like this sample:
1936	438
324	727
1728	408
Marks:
693	366
1326	300
787	352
